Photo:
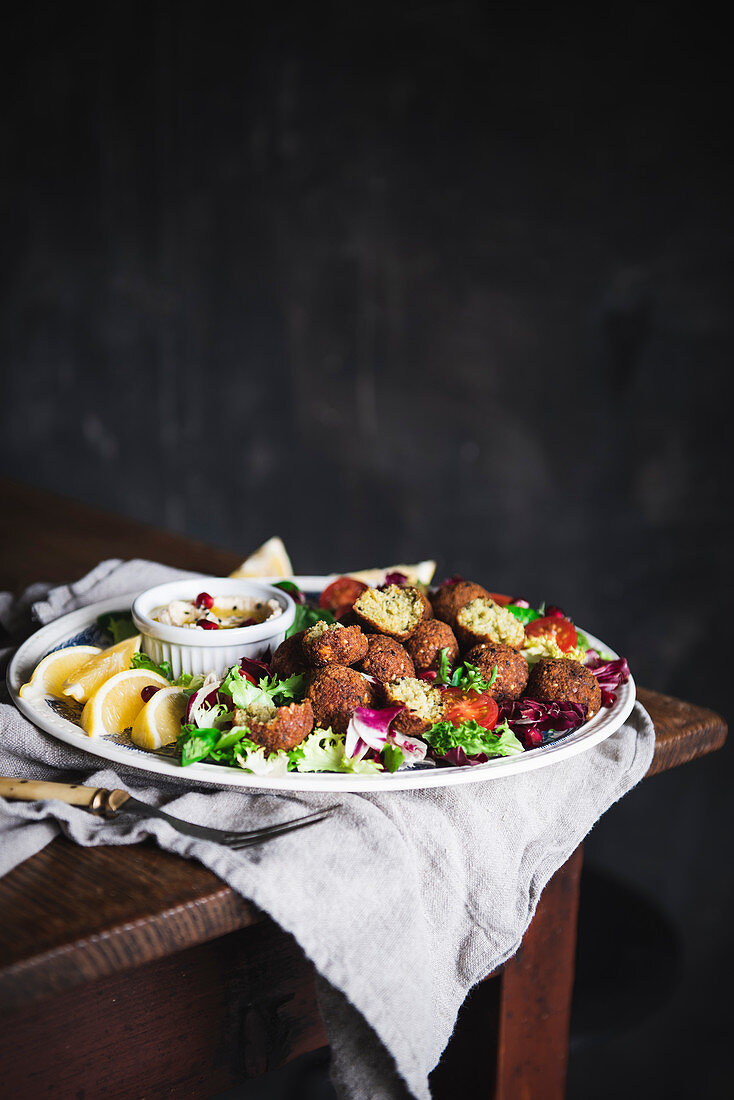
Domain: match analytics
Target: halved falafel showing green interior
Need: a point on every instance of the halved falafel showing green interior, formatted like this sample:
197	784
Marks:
483	620
394	610
449	599
424	704
285	729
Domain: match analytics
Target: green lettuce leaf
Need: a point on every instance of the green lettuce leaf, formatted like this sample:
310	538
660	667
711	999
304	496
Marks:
465	675
306	616
118	624
323	751
472	738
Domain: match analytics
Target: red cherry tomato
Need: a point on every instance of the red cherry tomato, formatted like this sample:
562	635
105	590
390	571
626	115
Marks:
339	596
499	598
563	630
462	706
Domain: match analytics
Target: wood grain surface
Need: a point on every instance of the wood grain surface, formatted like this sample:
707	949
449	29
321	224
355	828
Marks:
189	1025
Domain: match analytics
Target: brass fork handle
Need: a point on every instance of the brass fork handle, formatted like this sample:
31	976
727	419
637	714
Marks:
97	799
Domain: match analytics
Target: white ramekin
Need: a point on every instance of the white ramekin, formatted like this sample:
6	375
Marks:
196	651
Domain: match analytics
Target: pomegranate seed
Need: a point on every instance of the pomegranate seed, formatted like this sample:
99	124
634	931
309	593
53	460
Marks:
533	738
456	579
554	611
207	624
148	692
204	600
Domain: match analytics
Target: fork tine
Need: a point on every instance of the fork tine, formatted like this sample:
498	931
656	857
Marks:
257	836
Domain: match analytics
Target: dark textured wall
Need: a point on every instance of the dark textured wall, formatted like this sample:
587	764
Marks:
397	281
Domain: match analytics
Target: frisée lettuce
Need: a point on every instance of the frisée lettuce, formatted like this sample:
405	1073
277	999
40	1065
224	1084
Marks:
322	751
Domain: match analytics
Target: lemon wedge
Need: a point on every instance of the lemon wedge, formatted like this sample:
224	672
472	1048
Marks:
421	572
269	560
82	683
50	673
159	722
116	704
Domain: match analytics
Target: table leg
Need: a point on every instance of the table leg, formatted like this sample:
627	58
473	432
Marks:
535	996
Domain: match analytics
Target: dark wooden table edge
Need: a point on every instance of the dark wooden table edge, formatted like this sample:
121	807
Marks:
692	739
167	932
221	910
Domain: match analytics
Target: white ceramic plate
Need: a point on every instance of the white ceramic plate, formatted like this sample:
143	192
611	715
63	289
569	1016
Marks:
80	628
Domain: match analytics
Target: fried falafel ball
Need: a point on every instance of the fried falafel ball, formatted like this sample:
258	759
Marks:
426	642
386	659
558	680
333	644
335	692
423	703
449	599
483	620
512	669
394	610
289	658
286	729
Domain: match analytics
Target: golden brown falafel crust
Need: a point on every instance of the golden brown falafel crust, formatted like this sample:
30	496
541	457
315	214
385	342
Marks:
512	669
449	600
335	692
558	679
338	645
289	658
386	659
407	721
371	626
289	726
427	641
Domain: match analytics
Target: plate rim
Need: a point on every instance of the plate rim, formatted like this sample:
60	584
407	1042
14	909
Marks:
602	726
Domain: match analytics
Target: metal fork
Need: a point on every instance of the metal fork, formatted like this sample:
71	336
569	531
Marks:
108	803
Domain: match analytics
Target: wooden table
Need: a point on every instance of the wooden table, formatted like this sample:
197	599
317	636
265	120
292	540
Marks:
131	972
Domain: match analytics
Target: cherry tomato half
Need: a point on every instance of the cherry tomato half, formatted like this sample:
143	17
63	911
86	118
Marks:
339	596
462	706
499	598
564	631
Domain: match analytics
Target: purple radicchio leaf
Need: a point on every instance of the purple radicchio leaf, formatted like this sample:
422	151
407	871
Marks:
368	728
533	721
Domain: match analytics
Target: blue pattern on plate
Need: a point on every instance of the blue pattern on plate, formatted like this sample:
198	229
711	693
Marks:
91	635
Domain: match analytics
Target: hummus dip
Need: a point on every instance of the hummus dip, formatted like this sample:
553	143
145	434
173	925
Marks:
223	613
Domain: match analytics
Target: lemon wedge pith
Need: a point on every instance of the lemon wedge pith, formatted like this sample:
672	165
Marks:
115	705
83	683
50	673
159	722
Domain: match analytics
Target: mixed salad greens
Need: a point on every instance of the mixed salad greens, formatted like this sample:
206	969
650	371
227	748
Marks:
475	728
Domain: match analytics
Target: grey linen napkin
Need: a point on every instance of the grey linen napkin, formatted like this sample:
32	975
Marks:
403	901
